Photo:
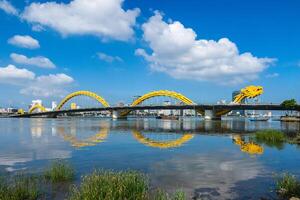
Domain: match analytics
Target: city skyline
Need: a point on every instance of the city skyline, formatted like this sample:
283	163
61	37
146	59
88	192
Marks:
51	49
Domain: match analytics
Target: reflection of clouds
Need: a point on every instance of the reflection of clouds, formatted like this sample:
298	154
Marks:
34	142
207	174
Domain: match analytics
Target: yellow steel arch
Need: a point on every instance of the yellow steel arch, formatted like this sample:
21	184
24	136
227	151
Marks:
158	93
162	144
82	93
165	93
37	106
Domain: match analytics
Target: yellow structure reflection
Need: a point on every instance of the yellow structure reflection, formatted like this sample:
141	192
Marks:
248	147
162	144
90	141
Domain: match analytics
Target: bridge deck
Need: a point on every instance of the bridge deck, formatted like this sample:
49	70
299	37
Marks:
273	107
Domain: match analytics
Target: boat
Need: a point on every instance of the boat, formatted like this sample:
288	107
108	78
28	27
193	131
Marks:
259	118
168	117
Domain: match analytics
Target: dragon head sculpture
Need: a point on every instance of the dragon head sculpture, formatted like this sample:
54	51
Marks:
252	91
249	92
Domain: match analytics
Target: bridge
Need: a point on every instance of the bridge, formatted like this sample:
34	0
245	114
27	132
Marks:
55	113
208	110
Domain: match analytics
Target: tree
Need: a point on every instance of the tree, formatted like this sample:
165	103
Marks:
289	104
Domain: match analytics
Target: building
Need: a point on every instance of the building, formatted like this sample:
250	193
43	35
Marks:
36	102
53	105
237	112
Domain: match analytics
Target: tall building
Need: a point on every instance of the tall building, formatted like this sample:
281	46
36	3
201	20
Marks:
36	102
238	112
53	105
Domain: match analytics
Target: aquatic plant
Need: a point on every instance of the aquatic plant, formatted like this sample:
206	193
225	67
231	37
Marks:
19	187
110	185
272	138
60	171
162	195
287	186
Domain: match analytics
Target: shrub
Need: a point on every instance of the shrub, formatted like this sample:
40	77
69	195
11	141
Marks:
287	186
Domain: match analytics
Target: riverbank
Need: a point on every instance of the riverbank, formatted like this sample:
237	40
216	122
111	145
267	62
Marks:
58	182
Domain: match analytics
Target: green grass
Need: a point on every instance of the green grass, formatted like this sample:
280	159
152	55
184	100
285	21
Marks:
20	187
60	171
109	185
272	138
161	195
126	185
287	186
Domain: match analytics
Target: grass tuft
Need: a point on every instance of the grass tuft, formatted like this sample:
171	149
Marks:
110	185
287	186
20	187
162	195
60	172
272	138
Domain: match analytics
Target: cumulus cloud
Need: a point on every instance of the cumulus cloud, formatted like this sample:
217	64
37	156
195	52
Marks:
48	86
274	75
8	7
108	58
102	18
38	61
13	75
24	41
177	52
32	85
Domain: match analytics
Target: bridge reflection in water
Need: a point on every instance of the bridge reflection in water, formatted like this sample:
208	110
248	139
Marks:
153	138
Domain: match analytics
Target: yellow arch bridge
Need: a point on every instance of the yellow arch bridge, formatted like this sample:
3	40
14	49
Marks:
210	111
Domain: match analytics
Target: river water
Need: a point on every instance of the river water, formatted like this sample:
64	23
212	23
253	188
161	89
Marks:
200	157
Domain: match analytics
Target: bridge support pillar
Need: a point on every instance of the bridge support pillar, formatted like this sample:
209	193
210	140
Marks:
211	115
116	114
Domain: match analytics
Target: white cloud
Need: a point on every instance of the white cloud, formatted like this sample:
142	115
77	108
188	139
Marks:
48	86
108	58
177	52
24	41
8	8
102	18
274	75
13	75
41	86
38	61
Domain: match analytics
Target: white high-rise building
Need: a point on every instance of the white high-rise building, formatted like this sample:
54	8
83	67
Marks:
36	102
53	105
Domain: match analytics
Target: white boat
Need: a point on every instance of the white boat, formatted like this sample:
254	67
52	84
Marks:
259	118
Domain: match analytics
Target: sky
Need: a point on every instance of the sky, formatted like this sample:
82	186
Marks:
122	48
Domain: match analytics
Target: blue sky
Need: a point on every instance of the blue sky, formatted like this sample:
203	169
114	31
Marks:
119	49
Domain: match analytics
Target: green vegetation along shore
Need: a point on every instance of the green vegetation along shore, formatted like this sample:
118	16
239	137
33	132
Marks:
99	185
275	138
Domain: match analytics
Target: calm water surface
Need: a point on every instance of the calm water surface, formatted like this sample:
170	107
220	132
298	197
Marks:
198	156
